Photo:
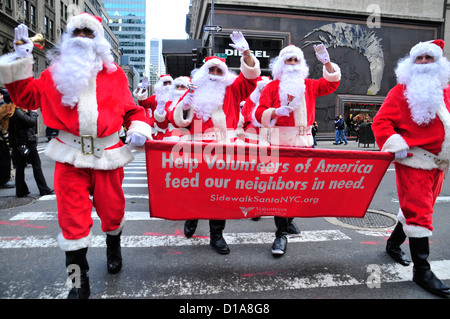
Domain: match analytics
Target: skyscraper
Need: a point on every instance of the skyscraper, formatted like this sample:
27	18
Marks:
127	21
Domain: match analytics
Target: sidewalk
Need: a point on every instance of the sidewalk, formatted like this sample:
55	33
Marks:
351	146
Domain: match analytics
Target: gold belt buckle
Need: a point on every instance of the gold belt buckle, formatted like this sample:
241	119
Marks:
301	130
83	137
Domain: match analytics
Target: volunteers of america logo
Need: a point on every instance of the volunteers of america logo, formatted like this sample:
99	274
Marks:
245	210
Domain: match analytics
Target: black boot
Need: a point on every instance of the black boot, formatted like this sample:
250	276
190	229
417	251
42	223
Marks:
393	245
77	267
422	274
280	243
113	253
217	241
189	227
292	228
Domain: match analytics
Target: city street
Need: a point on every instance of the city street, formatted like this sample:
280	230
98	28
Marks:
331	259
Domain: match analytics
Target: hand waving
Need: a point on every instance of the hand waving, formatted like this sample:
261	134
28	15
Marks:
322	53
21	34
239	42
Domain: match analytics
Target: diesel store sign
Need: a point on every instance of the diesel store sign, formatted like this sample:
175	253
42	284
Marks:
264	49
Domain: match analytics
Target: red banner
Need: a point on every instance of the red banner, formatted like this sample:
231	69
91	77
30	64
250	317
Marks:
216	181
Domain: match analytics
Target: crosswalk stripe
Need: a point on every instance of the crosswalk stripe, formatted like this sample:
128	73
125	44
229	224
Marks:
127	196
440	199
165	240
29	216
187	285
127	185
238	283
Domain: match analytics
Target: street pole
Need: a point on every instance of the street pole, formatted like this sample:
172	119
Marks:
211	49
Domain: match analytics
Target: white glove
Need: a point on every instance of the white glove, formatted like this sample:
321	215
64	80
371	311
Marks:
188	100
136	140
284	110
160	107
239	41
401	154
322	53
21	33
144	83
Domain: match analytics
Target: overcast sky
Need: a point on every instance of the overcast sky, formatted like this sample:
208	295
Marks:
167	18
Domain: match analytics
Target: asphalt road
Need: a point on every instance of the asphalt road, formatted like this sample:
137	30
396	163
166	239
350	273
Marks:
331	259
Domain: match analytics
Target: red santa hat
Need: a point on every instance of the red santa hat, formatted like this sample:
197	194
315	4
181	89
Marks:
166	78
435	48
216	61
291	51
86	20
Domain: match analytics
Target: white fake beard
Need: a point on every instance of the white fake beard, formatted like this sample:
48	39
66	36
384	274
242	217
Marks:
175	95
424	88
292	82
162	91
209	95
77	63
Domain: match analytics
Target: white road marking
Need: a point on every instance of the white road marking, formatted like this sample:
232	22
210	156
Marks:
158	240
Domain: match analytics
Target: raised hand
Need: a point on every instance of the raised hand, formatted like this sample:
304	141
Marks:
21	34
239	42
322	53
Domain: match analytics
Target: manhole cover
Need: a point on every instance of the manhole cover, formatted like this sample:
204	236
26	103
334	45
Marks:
372	220
13	201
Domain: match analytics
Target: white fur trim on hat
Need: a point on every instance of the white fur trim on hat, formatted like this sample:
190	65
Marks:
213	61
291	51
426	48
165	78
86	20
182	80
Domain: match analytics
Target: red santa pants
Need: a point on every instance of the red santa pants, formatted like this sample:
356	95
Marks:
418	190
73	186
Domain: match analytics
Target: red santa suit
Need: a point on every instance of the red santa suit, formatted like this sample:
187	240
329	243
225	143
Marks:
172	133
157	122
420	176
88	152
253	131
295	129
221	126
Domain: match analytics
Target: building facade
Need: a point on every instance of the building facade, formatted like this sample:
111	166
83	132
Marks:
127	21
366	38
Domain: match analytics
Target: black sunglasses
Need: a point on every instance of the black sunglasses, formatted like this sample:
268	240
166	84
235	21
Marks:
88	32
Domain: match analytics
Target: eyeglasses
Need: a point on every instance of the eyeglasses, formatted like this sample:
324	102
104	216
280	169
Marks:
86	32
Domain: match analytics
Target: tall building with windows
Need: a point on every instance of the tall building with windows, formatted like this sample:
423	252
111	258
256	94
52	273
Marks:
156	62
127	21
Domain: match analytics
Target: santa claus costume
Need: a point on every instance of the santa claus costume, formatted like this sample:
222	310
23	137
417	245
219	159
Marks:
253	131
414	124
179	88
216	106
162	95
211	113
287	108
85	96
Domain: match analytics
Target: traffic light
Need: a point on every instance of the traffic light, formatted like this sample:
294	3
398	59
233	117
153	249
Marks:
203	53
198	55
195	56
